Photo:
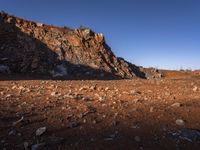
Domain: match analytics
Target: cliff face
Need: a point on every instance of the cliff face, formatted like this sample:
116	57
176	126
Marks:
29	47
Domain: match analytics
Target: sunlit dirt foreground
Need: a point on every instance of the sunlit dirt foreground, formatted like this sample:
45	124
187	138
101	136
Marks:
114	114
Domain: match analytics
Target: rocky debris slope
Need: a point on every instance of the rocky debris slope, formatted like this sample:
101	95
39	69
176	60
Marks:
29	47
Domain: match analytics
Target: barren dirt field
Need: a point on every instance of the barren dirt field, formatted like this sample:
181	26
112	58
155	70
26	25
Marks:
100	114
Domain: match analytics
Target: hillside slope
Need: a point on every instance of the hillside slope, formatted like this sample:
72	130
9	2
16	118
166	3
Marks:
29	47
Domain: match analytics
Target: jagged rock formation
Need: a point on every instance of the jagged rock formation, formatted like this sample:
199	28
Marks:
29	47
152	73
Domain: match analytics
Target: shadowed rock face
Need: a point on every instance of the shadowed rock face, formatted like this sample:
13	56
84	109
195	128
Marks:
28	47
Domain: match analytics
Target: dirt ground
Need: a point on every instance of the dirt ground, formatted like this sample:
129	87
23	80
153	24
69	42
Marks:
100	114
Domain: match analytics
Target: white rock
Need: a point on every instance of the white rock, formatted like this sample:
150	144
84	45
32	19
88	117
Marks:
9	95
18	121
180	122
167	94
14	87
195	89
55	94
39	24
176	105
40	131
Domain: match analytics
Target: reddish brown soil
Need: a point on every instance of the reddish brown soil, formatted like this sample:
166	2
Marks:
118	114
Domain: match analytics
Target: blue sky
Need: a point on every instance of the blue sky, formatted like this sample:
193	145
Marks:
157	33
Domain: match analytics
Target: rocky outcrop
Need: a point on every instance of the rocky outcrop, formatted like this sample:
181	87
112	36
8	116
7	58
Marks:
29	47
152	73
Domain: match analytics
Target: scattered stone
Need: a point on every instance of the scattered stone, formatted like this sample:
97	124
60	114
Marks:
107	88
137	139
167	94
55	94
19	134
83	88
190	135
111	136
93	87
3	141
13	132
26	145
180	122
138	100
59	71
195	89
18	121
176	104
14	87
151	109
8	96
136	126
4	69
21	88
73	125
39	146
135	92
78	97
40	131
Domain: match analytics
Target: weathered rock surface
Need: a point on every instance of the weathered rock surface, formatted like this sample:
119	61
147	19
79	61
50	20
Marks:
29	47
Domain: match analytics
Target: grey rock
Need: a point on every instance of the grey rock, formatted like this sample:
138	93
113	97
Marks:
26	145
137	139
73	125
190	135
111	136
87	34
59	71
4	69
38	146
12	132
3	141
40	131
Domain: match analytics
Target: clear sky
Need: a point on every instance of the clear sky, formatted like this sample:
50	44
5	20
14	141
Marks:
157	33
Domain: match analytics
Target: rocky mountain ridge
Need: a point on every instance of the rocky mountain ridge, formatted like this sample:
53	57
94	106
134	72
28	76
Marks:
36	48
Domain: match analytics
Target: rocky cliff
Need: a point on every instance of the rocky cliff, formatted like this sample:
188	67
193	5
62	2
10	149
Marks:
36	48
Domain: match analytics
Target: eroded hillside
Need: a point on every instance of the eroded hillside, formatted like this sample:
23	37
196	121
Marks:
29	47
